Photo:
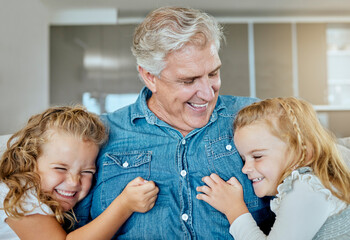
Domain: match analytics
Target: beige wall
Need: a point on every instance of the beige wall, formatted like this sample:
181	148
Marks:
273	50
24	85
70	77
24	59
235	62
312	62
273	60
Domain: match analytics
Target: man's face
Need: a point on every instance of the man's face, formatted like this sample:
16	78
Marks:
185	94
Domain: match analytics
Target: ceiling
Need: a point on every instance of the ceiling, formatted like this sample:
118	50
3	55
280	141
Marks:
225	8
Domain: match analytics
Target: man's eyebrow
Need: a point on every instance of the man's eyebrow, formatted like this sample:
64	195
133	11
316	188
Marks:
193	77
187	78
216	69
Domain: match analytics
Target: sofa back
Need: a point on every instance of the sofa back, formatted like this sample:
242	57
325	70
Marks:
3	142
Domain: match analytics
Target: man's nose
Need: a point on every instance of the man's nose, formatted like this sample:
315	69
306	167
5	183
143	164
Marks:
206	90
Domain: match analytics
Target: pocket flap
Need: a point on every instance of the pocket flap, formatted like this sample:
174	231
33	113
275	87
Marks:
222	147
128	159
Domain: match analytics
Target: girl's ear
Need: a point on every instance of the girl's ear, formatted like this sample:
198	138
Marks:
149	79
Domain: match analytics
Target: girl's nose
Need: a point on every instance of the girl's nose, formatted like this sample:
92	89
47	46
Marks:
74	179
247	168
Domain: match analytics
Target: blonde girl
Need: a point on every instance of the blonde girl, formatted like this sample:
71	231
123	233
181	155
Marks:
48	167
289	155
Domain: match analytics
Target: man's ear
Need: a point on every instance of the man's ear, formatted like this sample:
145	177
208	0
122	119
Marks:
149	79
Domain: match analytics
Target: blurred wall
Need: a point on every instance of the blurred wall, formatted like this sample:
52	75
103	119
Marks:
94	59
24	59
98	59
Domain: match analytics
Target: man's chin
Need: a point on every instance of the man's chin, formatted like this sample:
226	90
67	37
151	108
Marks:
199	123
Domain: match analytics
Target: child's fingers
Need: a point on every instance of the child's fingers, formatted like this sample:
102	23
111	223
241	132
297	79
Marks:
148	203
151	205
153	199
153	192
204	189
143	184
216	178
148	190
137	181
203	197
209	181
150	186
233	181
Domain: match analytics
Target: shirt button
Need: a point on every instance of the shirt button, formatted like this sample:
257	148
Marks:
184	217
183	142
152	119
228	147
183	173
125	164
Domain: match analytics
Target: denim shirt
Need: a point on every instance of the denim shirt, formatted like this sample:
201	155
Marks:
140	144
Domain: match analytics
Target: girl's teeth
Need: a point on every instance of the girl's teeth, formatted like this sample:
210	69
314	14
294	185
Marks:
65	193
257	179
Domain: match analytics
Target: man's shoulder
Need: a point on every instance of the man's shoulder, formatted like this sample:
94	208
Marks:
230	99
121	114
233	104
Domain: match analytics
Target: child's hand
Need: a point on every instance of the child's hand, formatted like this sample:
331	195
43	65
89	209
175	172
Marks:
226	197
140	195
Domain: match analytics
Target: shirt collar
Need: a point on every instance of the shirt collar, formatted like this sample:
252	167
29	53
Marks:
140	108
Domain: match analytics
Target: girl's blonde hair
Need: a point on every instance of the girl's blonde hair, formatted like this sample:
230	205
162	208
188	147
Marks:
295	122
19	162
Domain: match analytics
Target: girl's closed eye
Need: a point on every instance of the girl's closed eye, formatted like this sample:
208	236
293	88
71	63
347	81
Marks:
256	157
90	172
60	168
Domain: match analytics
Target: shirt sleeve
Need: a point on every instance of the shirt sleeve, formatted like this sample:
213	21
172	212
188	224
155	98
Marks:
302	213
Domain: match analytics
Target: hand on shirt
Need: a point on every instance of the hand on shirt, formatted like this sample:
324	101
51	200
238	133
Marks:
140	195
225	196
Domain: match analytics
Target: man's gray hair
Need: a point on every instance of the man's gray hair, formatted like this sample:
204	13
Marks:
168	29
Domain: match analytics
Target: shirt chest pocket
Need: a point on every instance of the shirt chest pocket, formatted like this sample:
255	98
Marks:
221	147
225	160
119	168
223	157
127	163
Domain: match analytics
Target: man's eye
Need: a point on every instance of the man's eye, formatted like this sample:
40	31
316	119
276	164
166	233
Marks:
188	82
213	74
88	172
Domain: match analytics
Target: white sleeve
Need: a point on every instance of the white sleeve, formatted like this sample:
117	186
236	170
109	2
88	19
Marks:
245	228
33	205
30	203
301	214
